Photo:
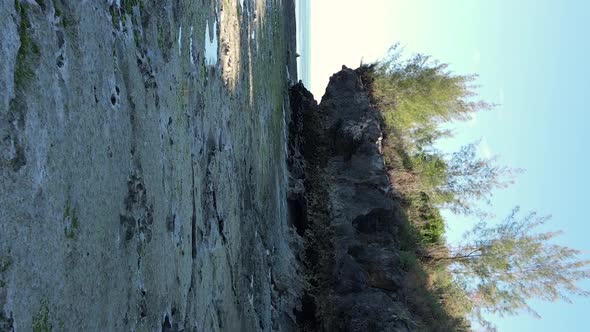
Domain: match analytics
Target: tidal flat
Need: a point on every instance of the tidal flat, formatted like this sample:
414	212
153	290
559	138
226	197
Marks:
142	174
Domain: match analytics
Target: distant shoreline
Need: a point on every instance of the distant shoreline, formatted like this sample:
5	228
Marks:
303	22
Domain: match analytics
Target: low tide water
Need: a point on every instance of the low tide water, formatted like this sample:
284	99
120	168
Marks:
303	21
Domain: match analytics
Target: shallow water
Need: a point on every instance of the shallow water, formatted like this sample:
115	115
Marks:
303	19
211	45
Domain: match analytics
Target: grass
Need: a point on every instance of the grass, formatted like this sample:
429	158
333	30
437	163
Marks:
5	263
58	12
118	14
23	71
41	319
73	224
65	20
127	5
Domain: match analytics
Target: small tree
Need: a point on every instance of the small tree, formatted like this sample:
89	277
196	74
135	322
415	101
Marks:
469	178
507	264
499	267
457	181
420	92
415	95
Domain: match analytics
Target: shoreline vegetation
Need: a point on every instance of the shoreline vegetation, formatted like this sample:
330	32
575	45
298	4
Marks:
499	266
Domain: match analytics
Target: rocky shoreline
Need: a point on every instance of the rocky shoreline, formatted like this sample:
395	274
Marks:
143	181
160	170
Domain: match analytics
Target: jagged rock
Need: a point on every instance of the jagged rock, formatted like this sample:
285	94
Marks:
351	253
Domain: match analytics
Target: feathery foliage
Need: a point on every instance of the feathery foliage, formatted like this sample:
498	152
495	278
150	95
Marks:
507	264
497	268
423	93
415	96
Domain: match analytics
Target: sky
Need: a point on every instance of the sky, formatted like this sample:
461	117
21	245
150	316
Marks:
531	57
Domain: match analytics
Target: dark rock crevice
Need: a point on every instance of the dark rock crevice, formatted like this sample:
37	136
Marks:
307	156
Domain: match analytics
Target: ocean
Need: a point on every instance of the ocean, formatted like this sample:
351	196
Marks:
303	21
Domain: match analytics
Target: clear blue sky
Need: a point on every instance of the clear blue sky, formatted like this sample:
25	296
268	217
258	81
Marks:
532	58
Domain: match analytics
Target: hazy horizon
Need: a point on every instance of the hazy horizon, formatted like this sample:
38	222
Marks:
303	19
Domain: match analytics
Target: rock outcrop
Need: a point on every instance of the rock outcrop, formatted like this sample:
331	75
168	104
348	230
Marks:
143	182
348	214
